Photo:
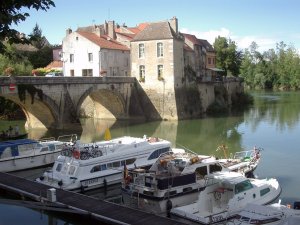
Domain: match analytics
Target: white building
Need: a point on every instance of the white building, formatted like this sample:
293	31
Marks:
93	51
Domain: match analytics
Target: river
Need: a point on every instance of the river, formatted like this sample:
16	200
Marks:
272	123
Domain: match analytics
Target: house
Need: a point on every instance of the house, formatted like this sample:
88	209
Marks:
94	51
157	55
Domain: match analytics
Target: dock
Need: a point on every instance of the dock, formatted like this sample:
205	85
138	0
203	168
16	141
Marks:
102	211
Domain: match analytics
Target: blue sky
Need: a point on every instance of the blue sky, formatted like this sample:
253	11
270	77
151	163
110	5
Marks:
266	22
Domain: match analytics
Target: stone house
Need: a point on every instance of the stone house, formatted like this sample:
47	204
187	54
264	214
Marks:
157	55
94	51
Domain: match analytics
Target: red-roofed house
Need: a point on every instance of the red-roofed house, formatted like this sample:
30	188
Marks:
94	51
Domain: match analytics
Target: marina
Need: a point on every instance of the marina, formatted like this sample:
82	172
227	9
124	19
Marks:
99	210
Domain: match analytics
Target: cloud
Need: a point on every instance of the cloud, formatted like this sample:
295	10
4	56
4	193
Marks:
264	43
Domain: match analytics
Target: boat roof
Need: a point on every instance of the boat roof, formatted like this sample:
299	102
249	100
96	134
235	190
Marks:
228	177
17	142
5	144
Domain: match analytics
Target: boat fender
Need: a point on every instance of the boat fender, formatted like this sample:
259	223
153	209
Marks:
76	154
169	207
60	183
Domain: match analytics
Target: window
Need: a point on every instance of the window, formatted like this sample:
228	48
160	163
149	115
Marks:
209	60
160	69
72	73
243	186
142	73
58	167
141	50
160	49
87	72
157	153
264	191
71	58
90	56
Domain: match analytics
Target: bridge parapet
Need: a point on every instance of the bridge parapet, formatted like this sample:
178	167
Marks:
4	81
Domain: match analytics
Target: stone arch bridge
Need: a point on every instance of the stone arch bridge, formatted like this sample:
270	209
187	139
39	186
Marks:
58	102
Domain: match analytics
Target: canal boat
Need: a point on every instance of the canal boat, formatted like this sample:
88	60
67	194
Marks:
93	165
25	154
177	176
274	214
225	195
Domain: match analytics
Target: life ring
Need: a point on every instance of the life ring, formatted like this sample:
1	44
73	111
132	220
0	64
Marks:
76	154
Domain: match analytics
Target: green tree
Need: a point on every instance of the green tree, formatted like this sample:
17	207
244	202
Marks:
36	37
12	13
227	56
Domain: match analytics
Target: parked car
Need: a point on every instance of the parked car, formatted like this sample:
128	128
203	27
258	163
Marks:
54	74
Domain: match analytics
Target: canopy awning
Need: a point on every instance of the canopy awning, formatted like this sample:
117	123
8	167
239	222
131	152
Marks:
216	69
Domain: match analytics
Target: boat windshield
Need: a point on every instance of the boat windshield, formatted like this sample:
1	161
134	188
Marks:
243	186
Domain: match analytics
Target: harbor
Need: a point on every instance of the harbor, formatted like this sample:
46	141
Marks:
280	146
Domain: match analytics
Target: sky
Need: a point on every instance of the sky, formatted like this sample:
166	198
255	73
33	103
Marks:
266	22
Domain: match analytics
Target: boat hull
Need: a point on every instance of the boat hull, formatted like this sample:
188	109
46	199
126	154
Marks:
27	162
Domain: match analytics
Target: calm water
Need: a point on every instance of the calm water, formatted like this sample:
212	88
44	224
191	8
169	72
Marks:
273	123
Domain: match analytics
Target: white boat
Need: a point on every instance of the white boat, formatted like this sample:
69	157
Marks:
225	195
94	165
177	176
24	154
274	214
244	162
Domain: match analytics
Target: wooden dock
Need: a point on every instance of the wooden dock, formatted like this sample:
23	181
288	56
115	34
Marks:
102	211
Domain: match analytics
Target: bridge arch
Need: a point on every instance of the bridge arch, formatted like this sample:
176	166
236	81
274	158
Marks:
42	114
101	103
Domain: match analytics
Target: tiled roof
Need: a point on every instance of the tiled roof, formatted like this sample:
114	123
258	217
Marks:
187	48
192	38
55	64
207	45
155	31
103	41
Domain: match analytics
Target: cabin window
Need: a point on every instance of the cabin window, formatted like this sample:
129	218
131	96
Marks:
130	161
58	167
51	147
264	191
103	167
109	165
158	152
215	168
201	172
44	149
243	186
187	189
96	169
72	170
116	164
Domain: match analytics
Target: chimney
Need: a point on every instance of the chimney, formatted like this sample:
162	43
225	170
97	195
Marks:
111	29
174	24
68	31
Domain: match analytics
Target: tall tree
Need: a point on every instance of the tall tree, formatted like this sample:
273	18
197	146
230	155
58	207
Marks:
12	13
36	37
227	56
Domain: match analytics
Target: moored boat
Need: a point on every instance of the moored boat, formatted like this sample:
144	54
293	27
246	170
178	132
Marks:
274	214
24	154
93	165
175	177
225	195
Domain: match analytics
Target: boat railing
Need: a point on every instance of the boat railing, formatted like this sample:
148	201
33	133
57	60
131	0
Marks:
247	155
47	139
72	138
